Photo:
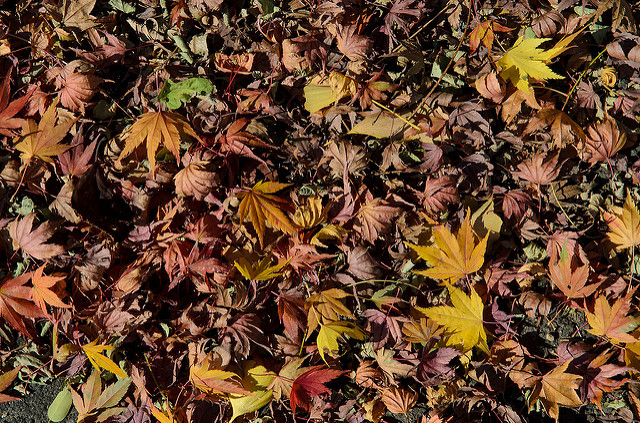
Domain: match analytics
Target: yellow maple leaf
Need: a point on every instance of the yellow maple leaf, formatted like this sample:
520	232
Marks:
325	306
323	92
331	331
93	352
624	225
452	257
157	128
263	271
462	321
215	381
263	207
43	140
256	381
525	59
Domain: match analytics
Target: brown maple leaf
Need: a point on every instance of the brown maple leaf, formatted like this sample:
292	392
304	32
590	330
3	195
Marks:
76	14
352	45
8	111
262	207
43	140
555	388
539	169
375	218
292	313
398	400
75	88
155	128
514	203
196	179
604	140
33	241
563	128
15	304
439	193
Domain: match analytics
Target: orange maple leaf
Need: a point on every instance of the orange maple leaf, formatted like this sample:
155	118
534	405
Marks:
263	207
569	277
43	140
8	111
555	388
41	292
624	225
155	128
612	320
452	257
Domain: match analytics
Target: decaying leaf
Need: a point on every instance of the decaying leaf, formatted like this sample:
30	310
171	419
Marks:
624	225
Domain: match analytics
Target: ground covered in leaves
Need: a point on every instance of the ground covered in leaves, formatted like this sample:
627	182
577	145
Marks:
344	210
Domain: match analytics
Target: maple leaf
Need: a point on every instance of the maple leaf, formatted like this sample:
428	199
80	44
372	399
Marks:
484	33
439	193
292	314
76	14
525	60
624	225
75	88
256	381
463	321
569	277
43	140
95	398
8	111
14	303
375	218
283	381
604	140
263	271
215	381
323	92
155	128
325	306
391	366
612	320
263	207
539	169
555	388
352	45
196	179
331	331
309	384
452	257
33	241
99	361
398	400
41	292
563	128
598	378
5	381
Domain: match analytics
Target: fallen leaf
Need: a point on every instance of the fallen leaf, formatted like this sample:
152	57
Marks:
15	304
256	381
462	321
375	218
452	257
77	14
8	111
331	331
33	241
43	140
215	381
624	225
351	44
398	400
155	128
325	306
612	320
262	271
41	292
263	207
309	384
555	388
93	351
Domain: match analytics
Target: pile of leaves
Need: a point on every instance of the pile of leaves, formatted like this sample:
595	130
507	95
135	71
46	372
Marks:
341	210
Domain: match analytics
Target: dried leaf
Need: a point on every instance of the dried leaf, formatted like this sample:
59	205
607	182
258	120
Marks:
93	351
624	225
263	207
612	320
398	400
33	241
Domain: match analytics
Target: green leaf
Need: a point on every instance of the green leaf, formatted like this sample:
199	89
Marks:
173	94
60	406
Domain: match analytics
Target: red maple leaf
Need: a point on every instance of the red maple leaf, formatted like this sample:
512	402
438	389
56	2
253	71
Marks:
8	111
15	304
311	383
